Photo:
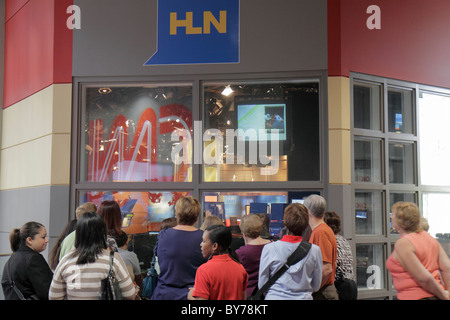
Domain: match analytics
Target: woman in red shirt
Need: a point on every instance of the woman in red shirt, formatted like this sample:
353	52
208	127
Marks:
419	266
222	277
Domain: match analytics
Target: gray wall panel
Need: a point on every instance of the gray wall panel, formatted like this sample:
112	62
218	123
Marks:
117	37
48	205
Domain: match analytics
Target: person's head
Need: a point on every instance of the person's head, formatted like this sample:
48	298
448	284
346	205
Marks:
121	239
211	220
110	211
168	223
32	234
187	210
90	237
251	226
265	221
424	224
333	220
85	207
406	217
295	219
316	205
216	240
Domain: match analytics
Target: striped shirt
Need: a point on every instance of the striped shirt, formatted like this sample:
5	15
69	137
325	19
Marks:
83	282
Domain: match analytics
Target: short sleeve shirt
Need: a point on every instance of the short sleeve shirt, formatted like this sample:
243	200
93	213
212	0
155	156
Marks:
221	278
324	237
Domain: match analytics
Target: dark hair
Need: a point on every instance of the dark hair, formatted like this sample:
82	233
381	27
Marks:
56	250
222	236
296	218
90	237
18	237
332	219
110	211
121	239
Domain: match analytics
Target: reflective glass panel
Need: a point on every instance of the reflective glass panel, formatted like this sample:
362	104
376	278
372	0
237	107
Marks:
400	110
401	163
437	217
265	131
367	106
370	263
142	211
369	212
434	133
395	197
137	133
230	206
367	160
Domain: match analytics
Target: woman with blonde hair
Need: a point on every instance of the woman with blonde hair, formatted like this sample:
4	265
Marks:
419	266
179	253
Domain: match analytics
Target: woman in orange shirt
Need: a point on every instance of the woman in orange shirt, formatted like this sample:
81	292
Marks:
419	266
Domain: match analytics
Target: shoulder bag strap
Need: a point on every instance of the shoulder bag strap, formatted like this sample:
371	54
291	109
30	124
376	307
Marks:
296	256
111	263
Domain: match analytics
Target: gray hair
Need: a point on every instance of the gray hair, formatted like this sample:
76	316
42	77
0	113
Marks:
316	205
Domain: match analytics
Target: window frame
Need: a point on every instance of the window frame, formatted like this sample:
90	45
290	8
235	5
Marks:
197	185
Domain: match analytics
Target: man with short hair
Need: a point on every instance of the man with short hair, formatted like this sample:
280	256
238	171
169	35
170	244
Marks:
323	236
69	241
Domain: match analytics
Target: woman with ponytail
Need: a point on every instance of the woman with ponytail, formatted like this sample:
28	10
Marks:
222	277
27	268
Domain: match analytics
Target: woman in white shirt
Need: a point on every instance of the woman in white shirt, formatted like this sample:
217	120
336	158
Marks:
79	274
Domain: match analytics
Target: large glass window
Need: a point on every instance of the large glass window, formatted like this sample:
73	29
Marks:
400	110
141	211
395	197
367	158
265	131
367	106
370	266
434	112
136	133
401	162
437	217
230	206
369	212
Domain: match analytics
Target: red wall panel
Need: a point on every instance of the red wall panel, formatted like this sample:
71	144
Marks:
412	44
38	48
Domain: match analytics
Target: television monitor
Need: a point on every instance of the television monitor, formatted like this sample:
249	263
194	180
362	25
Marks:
258	207
126	209
277	211
299	196
216	209
361	214
266	117
398	122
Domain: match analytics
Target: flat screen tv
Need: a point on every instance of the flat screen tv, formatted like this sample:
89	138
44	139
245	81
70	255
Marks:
262	117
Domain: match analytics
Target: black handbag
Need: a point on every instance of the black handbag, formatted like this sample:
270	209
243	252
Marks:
110	289
299	253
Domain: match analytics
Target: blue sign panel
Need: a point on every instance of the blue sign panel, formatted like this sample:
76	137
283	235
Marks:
197	31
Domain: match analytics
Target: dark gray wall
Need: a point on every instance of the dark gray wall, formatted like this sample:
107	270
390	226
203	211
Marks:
118	36
47	205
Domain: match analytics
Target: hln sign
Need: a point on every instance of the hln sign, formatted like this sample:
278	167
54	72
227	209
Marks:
197	31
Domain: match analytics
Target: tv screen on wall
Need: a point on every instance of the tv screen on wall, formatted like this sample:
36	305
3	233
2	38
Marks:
265	118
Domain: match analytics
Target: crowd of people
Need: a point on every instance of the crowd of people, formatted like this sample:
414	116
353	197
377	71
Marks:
209	263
